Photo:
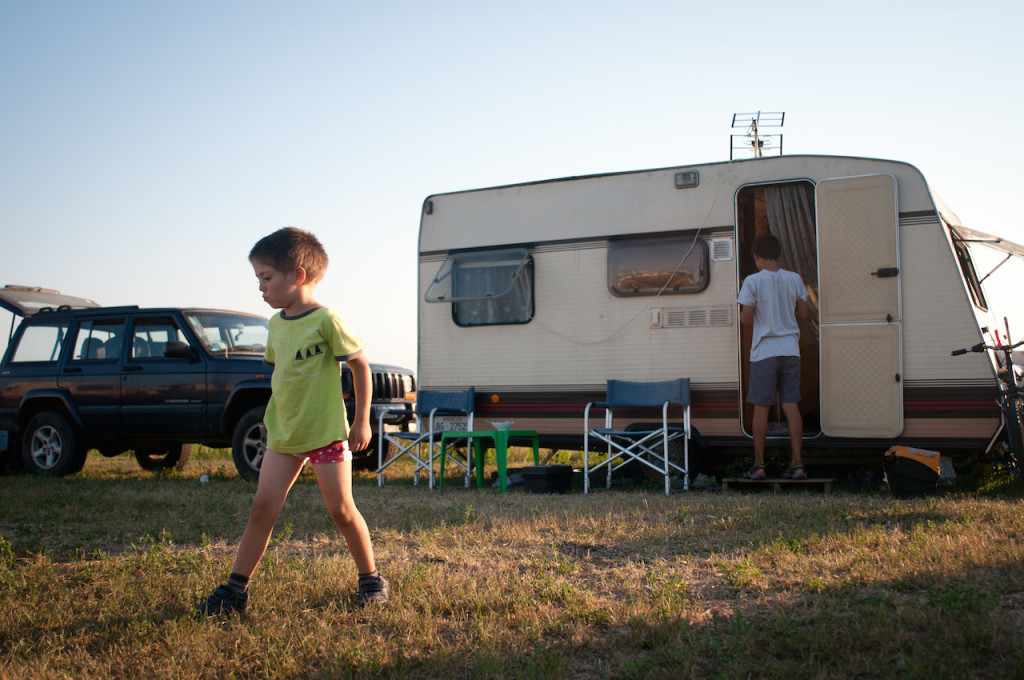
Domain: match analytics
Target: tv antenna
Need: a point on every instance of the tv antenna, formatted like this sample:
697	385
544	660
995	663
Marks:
753	139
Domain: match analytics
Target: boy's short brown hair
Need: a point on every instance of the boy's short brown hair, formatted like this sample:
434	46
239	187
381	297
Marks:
767	247
290	247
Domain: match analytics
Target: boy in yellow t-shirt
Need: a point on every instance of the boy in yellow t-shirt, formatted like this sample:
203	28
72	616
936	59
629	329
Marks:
306	417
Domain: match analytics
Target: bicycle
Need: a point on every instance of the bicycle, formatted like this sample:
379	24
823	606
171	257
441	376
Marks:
1011	402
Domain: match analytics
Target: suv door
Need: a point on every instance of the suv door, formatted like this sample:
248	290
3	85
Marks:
162	393
92	373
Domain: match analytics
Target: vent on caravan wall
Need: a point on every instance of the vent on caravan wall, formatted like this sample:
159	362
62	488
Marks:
721	249
691	317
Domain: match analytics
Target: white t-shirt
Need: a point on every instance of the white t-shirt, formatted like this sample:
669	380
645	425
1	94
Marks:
773	296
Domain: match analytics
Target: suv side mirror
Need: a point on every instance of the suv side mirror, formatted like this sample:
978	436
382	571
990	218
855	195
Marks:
176	349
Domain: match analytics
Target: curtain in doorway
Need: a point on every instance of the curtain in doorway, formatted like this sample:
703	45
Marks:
790	209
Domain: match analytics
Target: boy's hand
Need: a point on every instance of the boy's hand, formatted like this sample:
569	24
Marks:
359	436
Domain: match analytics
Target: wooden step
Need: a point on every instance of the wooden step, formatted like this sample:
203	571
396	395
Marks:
777	482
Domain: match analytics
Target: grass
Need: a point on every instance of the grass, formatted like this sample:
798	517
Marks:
99	574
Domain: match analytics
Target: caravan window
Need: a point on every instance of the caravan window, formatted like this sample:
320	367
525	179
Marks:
486	287
963	256
652	266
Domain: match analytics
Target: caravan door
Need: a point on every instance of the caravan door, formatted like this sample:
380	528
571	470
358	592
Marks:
860	312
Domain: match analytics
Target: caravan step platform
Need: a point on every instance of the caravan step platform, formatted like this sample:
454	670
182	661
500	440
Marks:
778	482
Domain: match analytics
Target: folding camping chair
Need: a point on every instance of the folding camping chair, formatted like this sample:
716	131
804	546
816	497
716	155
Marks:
430	406
644	442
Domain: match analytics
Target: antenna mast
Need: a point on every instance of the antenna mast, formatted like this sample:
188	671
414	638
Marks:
752	138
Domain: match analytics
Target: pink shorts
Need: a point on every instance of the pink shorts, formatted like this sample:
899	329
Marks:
337	452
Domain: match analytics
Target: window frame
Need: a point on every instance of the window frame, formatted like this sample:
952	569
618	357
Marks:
962	252
150	324
461	308
485	301
114	341
617	248
62	330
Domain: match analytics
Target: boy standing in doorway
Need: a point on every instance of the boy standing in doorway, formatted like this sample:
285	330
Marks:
772	300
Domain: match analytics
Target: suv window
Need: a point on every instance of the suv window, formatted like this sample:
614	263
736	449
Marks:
41	342
98	340
152	334
225	332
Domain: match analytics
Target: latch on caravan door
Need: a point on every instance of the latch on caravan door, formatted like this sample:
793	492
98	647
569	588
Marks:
886	272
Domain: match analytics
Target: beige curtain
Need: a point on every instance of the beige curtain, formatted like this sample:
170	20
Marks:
790	210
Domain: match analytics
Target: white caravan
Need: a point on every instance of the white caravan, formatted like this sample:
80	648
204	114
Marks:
536	294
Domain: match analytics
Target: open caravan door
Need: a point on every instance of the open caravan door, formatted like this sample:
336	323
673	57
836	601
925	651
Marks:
860	313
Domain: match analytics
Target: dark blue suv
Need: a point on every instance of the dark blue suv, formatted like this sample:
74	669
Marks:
157	382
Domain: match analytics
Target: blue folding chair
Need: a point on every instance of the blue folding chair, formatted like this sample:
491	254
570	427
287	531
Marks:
645	442
429	405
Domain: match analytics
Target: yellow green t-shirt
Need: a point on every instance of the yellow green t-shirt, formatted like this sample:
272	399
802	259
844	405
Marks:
306	409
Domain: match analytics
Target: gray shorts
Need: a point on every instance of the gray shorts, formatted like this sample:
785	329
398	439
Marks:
775	375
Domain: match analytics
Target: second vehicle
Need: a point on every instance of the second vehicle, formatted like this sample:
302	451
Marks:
158	382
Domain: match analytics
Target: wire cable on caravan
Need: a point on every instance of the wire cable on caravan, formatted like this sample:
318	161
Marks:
646	309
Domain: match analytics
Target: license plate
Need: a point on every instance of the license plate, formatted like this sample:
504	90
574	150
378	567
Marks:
450	423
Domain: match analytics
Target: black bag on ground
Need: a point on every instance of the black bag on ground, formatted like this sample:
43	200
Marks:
911	472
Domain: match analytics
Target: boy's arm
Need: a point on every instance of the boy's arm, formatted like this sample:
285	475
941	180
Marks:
359	435
801	311
747	315
746	300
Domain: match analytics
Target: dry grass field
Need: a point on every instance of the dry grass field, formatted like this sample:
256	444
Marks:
99	574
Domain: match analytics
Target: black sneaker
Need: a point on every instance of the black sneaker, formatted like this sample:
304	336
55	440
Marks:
223	600
373	590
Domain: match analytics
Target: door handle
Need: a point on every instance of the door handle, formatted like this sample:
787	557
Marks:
132	368
886	272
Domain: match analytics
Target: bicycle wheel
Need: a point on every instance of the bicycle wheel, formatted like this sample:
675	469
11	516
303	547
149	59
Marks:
1015	437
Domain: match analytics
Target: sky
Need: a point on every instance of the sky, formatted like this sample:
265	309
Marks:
145	146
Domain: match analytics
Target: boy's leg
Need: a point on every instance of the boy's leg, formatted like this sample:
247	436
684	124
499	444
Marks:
335	481
789	392
278	473
761	393
760	432
796	432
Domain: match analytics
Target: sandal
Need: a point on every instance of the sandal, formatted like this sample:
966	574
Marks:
795	472
756	471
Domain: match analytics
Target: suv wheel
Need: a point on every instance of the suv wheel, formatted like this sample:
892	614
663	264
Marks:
165	456
50	446
249	443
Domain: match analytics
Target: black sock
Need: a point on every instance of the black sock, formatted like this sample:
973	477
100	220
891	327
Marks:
373	574
238	582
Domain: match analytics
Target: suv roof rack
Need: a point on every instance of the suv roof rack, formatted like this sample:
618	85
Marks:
87	310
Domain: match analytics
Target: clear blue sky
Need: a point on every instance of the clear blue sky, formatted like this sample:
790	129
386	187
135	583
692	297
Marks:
145	146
